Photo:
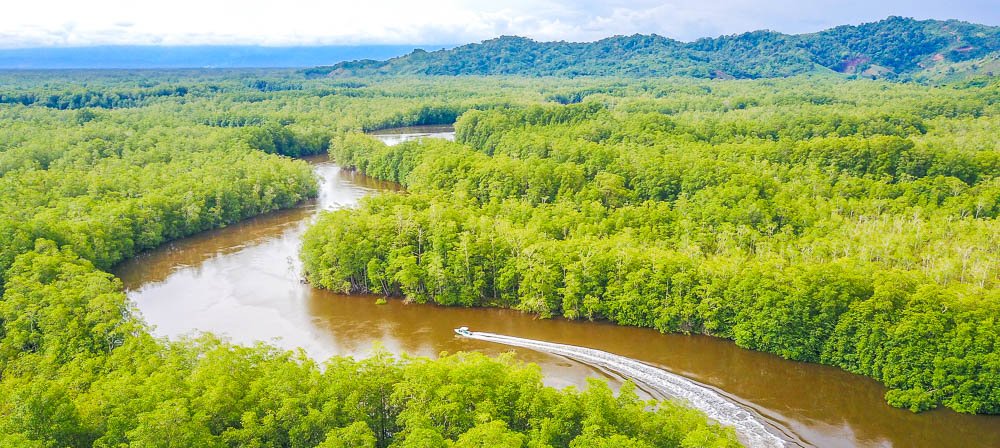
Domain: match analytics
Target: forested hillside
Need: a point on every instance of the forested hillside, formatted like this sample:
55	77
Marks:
851	223
96	167
897	47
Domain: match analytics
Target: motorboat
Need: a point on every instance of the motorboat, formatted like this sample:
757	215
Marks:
463	331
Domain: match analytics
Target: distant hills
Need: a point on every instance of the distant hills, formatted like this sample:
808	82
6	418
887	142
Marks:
896	47
197	56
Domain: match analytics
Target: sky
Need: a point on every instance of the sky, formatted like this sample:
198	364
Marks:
36	23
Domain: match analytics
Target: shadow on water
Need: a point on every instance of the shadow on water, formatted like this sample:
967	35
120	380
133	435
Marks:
244	282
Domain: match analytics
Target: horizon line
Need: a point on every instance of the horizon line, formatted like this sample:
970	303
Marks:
454	45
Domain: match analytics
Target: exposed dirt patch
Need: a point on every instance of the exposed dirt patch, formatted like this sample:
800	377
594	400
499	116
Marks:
876	71
719	74
851	65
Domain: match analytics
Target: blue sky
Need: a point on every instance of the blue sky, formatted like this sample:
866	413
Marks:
32	23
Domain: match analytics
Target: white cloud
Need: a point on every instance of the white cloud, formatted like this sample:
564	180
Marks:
290	22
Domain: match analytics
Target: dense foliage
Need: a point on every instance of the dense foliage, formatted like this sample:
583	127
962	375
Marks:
97	175
847	223
79	371
895	47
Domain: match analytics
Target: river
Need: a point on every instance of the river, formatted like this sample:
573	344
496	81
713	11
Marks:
243	282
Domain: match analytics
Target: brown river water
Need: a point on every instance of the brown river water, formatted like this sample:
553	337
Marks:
243	282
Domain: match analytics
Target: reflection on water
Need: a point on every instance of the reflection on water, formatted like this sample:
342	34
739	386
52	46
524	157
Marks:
398	135
244	282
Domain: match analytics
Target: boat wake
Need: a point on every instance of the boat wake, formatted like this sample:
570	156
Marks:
749	426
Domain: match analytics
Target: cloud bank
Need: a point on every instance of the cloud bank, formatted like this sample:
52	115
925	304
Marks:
310	22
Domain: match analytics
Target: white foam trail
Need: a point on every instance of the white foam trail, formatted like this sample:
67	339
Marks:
750	428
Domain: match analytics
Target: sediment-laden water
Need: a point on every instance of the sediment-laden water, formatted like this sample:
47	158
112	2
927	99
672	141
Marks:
244	283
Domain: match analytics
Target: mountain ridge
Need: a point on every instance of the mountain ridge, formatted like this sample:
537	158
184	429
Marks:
895	47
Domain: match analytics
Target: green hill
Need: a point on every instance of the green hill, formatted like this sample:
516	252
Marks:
896	47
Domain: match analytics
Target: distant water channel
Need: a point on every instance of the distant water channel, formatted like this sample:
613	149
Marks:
243	282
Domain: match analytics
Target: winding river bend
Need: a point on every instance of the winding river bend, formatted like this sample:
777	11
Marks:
243	282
